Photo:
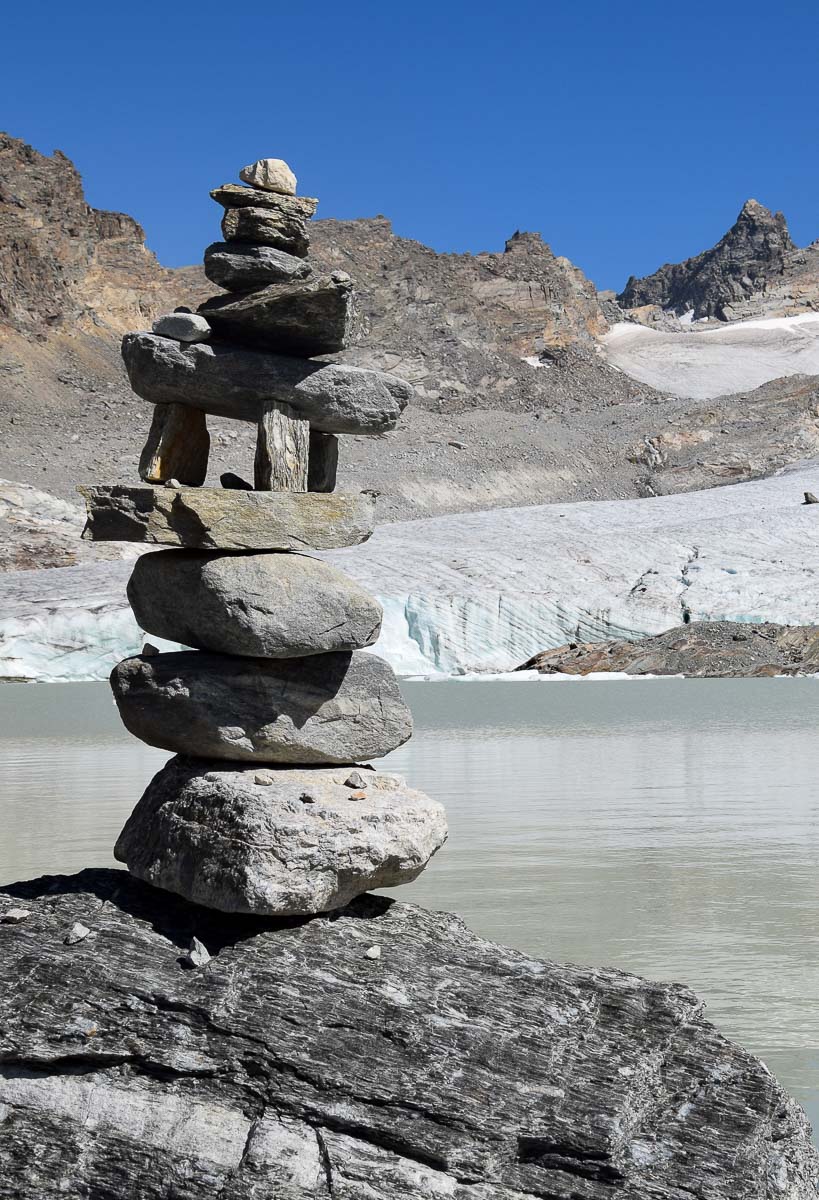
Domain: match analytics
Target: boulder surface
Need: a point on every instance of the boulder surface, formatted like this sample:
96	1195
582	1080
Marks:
328	708
262	605
234	381
227	519
309	316
299	1064
281	843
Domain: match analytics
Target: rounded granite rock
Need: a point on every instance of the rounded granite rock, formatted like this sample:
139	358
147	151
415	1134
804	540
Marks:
296	845
182	327
271	175
257	605
319	710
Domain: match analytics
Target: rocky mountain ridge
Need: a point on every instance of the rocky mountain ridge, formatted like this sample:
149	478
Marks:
756	269
514	402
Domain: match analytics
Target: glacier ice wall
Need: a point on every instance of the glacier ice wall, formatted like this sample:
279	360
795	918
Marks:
482	592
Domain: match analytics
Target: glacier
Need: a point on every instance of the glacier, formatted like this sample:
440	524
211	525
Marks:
481	592
706	361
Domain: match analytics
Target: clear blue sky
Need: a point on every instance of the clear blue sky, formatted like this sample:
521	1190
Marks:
627	134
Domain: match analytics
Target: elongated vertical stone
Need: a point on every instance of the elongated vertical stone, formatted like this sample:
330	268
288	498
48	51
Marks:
323	465
282	449
177	447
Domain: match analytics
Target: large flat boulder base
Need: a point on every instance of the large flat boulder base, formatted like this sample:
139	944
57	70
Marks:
265	605
235	381
326	708
381	1053
278	842
224	519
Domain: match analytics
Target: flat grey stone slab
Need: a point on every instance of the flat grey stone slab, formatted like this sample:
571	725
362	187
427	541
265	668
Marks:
283	843
442	1068
306	316
234	195
227	519
239	268
233	381
261	605
323	709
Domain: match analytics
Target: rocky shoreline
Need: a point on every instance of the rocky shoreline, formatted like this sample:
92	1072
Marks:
382	1051
701	649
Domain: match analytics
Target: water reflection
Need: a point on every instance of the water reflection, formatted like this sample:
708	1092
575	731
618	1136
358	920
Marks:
667	827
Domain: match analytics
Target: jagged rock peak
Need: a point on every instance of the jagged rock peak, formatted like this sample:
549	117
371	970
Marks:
750	256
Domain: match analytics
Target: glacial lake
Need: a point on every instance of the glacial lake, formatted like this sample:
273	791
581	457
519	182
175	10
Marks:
668	827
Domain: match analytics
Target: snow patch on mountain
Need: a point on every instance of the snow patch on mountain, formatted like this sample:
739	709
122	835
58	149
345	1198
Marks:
704	363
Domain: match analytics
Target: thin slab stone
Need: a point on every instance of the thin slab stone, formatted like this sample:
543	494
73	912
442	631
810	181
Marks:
308	317
254	605
296	845
282	449
266	227
222	519
233	381
233	195
178	446
239	268
327	708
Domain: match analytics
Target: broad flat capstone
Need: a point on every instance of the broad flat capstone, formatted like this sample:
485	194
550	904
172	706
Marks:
182	327
234	381
239	268
266	227
307	317
260	605
298	844
223	519
328	708
271	175
232	195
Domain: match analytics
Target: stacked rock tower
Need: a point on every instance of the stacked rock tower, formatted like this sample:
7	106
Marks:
269	805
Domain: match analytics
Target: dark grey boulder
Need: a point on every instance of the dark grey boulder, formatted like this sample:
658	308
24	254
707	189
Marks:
285	843
298	1064
266	227
328	708
238	268
309	316
263	605
233	381
227	518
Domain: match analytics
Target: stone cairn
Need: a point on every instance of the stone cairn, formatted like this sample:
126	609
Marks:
268	806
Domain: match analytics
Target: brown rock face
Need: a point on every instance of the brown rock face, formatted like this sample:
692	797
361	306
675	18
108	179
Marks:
459	326
63	262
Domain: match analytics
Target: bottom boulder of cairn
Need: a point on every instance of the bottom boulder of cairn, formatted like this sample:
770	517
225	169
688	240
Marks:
279	841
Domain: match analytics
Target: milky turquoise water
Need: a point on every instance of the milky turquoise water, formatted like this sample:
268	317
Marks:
669	827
